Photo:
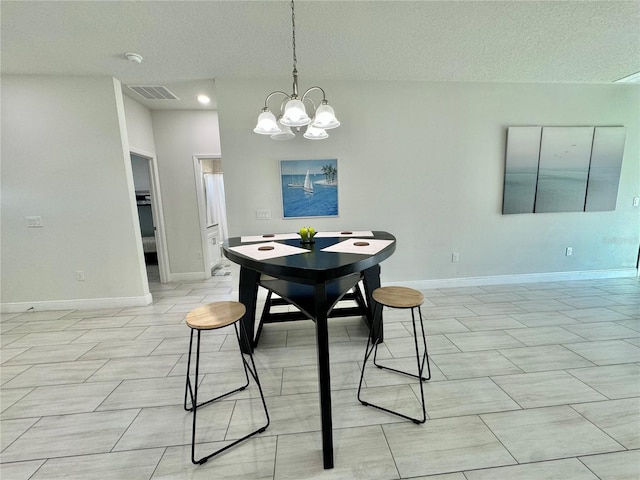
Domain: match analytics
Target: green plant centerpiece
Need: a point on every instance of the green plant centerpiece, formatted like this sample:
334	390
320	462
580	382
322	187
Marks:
307	234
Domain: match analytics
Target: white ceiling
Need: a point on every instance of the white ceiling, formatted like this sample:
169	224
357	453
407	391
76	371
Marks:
187	44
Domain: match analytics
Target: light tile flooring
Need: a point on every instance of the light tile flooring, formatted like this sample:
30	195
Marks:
531	381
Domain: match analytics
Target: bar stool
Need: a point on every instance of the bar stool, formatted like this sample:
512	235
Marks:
211	317
398	297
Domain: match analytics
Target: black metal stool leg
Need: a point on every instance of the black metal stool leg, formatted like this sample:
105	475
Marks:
248	369
367	352
194	404
372	347
254	373
424	343
187	388
424	357
420	365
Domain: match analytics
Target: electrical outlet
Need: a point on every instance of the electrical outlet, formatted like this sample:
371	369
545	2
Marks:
636	201
79	275
263	214
569	251
455	256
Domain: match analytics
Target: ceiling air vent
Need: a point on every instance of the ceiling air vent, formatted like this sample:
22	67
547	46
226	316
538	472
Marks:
153	92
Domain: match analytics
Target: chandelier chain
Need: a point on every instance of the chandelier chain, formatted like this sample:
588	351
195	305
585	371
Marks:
293	27
293	112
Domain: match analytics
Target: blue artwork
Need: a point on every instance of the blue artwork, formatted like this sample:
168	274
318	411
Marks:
309	188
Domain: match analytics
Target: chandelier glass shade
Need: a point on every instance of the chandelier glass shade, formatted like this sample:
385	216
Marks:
267	124
292	116
285	133
315	133
295	115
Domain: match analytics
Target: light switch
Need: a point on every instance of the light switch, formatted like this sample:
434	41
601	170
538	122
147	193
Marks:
34	221
263	214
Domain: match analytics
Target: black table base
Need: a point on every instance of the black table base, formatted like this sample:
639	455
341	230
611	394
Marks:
314	283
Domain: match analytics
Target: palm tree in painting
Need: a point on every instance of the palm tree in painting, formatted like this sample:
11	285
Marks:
325	171
333	172
330	173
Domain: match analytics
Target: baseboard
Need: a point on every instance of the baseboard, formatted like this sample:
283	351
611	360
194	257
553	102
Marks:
78	304
521	278
122	302
187	277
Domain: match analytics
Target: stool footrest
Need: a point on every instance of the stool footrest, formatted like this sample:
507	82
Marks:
382	367
202	404
226	447
402	415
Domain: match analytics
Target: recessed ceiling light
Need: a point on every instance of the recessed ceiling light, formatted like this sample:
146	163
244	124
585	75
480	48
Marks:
203	99
633	78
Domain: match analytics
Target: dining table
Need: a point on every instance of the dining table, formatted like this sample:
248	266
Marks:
313	277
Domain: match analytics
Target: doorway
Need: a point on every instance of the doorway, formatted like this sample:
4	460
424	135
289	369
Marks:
146	186
212	210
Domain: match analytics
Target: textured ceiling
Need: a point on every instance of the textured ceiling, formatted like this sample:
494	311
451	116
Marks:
186	44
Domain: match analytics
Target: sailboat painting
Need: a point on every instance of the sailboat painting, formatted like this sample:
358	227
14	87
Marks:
309	188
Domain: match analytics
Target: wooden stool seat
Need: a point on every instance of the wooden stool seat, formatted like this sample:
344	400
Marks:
398	297
215	315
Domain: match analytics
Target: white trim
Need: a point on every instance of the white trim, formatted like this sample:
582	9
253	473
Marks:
122	302
158	214
202	219
521	278
188	276
202	211
77	304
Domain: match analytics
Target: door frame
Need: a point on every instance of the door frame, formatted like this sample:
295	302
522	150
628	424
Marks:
157	213
198	177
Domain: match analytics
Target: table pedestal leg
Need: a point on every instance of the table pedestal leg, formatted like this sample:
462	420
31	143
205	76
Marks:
371	279
324	374
247	295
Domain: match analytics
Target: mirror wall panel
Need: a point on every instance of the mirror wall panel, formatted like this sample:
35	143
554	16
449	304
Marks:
606	165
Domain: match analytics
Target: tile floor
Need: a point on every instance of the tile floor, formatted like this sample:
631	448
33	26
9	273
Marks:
531	381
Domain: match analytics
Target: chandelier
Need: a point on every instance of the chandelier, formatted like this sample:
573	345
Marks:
292	113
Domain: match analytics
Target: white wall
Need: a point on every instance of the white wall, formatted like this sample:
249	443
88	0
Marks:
179	135
425	161
139	127
431	173
173	138
65	157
